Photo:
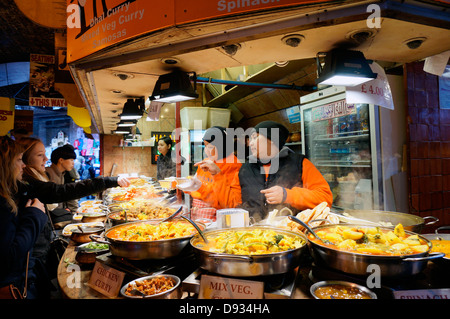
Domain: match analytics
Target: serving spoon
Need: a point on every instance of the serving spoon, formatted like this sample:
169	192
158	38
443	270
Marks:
171	216
135	292
196	227
295	219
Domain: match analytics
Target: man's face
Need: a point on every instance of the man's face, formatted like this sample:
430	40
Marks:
66	164
262	147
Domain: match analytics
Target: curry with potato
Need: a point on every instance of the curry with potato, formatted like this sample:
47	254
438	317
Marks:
371	240
149	232
441	246
251	242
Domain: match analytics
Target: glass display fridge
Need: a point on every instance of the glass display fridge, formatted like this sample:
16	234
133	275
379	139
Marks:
192	149
343	141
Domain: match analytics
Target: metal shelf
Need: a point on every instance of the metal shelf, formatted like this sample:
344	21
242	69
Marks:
343	165
340	138
136	146
325	163
293	143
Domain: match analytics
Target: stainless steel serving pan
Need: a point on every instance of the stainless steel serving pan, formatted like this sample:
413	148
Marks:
358	263
248	265
410	222
174	293
445	261
81	235
140	250
114	212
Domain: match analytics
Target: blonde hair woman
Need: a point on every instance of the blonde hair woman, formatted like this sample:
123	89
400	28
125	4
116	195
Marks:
34	158
36	184
21	221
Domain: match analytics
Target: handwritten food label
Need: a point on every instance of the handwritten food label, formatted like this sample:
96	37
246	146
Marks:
423	294
212	287
376	91
106	280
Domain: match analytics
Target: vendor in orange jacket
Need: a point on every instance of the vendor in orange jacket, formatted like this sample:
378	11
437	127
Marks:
214	174
275	177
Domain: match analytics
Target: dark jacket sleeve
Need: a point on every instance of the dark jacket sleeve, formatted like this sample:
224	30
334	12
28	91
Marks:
18	234
48	192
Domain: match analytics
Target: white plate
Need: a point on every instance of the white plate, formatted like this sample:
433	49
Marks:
67	231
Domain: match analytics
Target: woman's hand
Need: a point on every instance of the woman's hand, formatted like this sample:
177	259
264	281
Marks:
35	203
274	195
123	181
208	165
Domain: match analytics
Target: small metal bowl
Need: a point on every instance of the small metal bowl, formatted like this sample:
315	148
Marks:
173	293
88	256
94	217
346	284
81	236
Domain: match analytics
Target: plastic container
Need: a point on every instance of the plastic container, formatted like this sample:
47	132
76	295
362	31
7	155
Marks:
218	117
194	117
232	217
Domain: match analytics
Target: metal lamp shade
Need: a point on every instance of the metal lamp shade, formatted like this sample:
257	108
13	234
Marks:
173	87
133	109
345	68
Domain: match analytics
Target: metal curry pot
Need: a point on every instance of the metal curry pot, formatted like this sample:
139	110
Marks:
141	250
358	263
410	222
445	261
248	265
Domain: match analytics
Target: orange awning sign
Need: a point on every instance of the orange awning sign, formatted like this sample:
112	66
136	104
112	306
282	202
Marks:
92	26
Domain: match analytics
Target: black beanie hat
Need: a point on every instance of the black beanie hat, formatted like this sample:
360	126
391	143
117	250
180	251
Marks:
217	136
274	131
65	152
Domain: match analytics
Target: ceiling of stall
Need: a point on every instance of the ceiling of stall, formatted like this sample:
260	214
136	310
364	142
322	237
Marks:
263	39
387	44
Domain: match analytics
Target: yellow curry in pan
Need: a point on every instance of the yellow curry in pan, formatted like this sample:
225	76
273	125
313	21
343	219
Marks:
441	246
251	242
148	232
371	240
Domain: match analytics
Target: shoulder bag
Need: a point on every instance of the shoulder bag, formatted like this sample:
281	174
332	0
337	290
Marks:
12	292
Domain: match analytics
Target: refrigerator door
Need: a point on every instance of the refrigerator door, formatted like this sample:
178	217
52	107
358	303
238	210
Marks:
196	149
341	140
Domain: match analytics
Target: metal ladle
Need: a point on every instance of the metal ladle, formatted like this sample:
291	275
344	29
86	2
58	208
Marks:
295	219
196	227
135	292
171	216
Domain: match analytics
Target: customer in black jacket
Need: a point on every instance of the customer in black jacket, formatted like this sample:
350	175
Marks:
20	223
35	184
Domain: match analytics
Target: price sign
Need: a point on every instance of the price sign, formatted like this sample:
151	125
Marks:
213	287
376	92
423	294
106	280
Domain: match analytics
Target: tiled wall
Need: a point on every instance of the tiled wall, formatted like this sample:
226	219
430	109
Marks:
429	146
129	160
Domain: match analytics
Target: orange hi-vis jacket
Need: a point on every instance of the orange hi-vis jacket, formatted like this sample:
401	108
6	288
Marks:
314	190
215	189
